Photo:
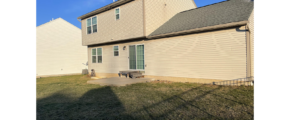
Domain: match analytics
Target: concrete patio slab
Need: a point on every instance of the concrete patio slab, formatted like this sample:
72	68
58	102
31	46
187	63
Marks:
119	81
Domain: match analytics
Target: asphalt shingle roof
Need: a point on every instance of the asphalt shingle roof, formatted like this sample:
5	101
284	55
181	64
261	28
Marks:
215	14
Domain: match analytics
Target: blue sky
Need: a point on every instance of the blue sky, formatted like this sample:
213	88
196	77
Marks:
69	10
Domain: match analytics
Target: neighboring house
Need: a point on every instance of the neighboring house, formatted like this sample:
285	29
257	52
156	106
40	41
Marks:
59	50
171	39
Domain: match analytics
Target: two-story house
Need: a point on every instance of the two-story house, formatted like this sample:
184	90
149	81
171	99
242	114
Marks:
171	39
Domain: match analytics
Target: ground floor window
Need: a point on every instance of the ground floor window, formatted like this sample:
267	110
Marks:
94	57
97	55
116	50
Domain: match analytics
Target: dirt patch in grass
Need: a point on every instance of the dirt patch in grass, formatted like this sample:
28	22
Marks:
161	81
69	97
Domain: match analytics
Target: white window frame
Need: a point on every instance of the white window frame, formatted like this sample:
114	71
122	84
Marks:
94	24
92	31
116	13
118	51
94	55
136	58
87	26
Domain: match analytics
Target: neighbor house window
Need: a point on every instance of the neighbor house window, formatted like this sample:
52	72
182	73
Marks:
94	55
117	11
94	23
99	54
116	50
89	24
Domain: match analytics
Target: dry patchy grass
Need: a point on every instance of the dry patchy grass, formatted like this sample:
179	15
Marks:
69	97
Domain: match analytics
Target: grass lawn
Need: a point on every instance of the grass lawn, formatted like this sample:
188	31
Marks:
69	97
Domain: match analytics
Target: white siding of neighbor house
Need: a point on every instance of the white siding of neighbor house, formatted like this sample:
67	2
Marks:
59	49
219	55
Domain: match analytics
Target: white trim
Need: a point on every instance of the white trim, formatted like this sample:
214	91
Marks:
136	57
129	56
118	13
118	51
143	55
93	55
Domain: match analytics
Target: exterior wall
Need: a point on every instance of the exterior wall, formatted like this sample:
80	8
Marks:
156	13
130	24
59	49
251	28
216	55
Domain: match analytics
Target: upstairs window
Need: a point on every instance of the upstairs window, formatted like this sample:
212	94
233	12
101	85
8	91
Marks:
89	24
117	11
92	25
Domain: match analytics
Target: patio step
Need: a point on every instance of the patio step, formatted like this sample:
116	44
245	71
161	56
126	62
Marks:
135	75
131	74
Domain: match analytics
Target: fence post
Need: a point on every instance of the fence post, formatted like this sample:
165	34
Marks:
243	81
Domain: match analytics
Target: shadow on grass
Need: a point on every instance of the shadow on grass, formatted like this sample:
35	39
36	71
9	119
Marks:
99	103
180	103
195	103
103	103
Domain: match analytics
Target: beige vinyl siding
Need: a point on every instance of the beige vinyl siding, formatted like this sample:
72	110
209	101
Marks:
130	24
111	63
217	55
59	49
156	13
251	27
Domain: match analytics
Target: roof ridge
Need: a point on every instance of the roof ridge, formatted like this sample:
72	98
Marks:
58	19
205	6
49	22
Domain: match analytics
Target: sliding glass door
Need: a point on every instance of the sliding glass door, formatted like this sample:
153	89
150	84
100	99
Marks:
136	57
132	57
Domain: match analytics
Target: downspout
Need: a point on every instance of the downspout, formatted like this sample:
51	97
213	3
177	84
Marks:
144	22
249	56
